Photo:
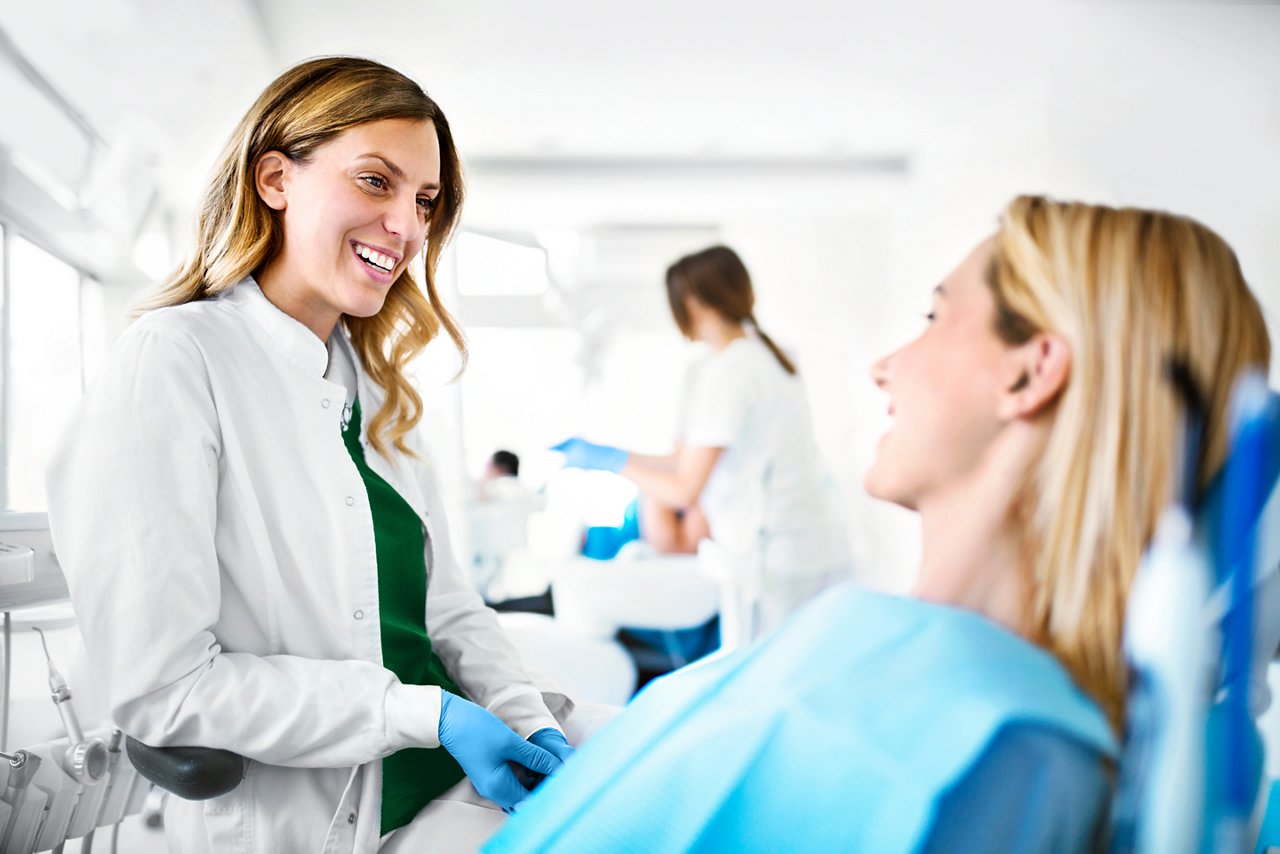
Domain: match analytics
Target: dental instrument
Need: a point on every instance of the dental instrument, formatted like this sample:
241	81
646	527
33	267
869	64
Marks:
86	758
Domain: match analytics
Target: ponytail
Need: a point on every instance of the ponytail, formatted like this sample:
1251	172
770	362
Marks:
717	279
773	348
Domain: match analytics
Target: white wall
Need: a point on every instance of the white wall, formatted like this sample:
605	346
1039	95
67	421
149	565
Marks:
1170	105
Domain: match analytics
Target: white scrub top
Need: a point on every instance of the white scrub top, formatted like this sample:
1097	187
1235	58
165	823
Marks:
769	491
219	547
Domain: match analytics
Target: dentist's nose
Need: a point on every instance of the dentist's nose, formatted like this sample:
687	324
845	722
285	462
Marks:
402	218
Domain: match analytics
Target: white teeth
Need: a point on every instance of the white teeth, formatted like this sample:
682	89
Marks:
385	262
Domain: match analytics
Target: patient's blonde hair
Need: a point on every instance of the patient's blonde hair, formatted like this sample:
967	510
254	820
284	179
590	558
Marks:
237	234
1128	289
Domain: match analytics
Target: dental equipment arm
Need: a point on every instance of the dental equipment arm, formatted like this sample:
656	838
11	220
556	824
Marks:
85	760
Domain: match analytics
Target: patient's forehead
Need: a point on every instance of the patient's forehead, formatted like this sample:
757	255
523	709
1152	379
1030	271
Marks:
968	280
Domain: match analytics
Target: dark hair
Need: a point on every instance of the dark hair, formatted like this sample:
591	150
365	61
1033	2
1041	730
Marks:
718	279
506	461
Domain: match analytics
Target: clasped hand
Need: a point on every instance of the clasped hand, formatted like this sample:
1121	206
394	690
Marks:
484	745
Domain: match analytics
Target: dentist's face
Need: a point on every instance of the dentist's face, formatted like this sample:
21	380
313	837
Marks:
943	390
356	214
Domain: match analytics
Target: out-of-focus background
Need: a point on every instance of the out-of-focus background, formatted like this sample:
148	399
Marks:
851	153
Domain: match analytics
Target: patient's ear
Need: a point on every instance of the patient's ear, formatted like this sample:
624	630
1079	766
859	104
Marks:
1038	372
270	179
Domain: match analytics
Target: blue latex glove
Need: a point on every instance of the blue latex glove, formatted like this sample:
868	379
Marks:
483	745
581	454
553	741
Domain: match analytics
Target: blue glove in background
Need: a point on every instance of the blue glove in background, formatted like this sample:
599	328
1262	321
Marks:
483	745
553	741
581	454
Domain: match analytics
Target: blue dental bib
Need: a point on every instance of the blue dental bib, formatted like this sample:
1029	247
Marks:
839	733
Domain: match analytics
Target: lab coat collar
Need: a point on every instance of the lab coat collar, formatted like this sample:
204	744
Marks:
291	338
300	347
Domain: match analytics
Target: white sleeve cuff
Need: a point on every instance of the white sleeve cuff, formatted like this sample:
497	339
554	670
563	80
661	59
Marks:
413	716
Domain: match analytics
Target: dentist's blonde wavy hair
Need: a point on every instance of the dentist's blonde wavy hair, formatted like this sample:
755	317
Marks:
237	234
1128	289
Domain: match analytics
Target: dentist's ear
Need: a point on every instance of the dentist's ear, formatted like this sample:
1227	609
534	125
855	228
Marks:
270	175
1039	370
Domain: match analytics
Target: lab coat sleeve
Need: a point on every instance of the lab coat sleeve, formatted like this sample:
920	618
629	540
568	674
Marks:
132	509
473	646
716	407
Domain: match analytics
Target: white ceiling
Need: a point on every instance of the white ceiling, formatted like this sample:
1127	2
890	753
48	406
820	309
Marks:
932	84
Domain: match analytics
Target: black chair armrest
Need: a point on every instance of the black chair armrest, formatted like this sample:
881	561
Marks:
191	773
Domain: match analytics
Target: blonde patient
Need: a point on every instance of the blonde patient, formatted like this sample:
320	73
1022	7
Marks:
1035	434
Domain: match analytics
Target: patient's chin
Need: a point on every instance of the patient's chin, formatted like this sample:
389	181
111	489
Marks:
882	483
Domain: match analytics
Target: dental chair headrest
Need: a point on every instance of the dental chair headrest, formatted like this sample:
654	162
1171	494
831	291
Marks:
1268	512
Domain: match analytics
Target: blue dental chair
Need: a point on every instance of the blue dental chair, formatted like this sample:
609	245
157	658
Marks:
1237	532
1244	541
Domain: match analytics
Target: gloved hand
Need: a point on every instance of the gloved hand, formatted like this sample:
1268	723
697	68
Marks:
553	741
483	745
581	454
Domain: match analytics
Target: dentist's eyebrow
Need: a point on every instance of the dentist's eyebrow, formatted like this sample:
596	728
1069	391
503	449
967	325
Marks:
397	171
939	291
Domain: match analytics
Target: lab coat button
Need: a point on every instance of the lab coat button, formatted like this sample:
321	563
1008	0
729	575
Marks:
350	501
351	818
359	615
325	403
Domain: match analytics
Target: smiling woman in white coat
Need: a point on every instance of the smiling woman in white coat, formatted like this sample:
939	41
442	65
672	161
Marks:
256	554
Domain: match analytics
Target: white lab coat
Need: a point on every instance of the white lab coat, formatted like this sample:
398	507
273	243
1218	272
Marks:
219	548
769	486
768	500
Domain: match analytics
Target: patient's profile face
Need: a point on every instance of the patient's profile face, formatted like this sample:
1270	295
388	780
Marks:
943	390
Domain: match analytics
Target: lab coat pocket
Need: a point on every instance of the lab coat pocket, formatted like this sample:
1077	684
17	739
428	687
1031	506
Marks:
205	827
226	818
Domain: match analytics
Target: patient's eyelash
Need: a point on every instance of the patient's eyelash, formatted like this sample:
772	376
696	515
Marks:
930	316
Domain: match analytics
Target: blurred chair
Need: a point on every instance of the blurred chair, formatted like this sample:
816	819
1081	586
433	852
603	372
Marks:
585	667
597	598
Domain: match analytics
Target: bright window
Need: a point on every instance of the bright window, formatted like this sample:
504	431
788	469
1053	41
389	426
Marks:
45	367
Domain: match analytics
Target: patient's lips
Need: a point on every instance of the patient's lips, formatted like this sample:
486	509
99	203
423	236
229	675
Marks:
886	425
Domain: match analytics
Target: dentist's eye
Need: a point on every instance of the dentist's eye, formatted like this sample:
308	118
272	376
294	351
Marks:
931	316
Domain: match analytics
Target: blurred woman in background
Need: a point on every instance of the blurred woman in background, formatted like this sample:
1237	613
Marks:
747	466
